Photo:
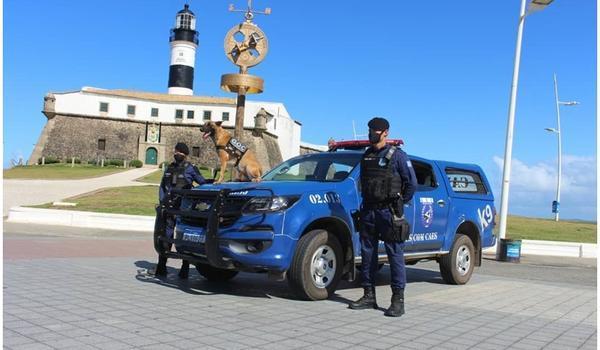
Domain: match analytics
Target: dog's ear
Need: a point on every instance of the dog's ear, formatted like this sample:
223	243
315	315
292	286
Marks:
218	123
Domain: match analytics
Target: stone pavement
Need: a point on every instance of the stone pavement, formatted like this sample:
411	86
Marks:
32	192
112	303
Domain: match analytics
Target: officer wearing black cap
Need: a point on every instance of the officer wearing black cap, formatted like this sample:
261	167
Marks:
387	182
180	174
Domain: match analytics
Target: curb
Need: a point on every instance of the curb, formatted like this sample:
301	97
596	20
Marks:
146	223
554	248
81	219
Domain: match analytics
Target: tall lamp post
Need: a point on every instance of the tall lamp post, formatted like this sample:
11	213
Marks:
534	5
557	131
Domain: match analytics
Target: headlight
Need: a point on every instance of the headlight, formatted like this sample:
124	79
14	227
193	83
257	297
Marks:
269	204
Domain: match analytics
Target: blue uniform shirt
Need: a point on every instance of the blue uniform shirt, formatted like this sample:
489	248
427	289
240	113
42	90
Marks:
191	174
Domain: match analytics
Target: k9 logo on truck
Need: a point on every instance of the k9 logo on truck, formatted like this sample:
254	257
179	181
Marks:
297	224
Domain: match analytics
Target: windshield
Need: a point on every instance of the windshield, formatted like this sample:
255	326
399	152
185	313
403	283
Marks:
326	167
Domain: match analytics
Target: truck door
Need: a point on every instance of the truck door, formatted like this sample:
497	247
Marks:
429	209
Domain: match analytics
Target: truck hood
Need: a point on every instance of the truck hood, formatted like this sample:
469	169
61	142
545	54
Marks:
278	187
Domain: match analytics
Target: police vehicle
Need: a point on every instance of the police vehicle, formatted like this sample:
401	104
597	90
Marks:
298	222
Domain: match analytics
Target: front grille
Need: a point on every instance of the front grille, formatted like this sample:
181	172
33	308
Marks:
231	211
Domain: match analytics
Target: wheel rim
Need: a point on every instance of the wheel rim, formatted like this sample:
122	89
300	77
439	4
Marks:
463	260
322	267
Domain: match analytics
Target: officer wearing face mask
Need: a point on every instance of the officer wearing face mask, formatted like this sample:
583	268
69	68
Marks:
387	182
180	174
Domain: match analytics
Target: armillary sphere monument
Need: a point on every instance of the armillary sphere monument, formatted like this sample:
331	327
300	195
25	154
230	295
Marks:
246	46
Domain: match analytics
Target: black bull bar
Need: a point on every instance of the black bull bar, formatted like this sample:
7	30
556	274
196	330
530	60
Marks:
213	216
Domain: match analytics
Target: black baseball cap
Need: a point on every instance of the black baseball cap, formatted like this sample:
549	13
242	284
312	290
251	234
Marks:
182	148
379	124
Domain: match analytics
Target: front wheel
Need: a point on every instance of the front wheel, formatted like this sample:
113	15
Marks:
160	226
316	268
457	267
215	274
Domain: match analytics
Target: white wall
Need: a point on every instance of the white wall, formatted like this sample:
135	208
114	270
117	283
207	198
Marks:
88	103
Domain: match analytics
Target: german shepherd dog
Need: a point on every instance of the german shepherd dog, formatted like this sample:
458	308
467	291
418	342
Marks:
232	150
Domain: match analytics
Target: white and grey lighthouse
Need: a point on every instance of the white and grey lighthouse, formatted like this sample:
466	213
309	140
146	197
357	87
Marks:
184	41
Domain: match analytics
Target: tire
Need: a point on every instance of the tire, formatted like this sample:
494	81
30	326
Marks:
316	268
457	267
159	230
215	274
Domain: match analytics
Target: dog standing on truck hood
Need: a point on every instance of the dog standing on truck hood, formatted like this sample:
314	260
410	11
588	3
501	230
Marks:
230	149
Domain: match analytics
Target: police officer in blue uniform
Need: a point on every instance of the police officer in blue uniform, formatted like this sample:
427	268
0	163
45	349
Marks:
180	174
387	182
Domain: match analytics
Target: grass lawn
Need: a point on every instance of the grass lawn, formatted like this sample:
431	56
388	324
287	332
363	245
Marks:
133	200
549	230
59	171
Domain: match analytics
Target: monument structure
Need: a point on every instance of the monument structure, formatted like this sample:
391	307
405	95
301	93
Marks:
246	45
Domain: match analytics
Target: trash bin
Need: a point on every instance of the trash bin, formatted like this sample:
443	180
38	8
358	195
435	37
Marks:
510	250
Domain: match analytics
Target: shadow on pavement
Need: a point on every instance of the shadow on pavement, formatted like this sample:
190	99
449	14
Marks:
259	286
244	284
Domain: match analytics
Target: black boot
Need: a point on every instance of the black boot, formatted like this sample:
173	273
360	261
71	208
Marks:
366	302
397	307
184	271
161	267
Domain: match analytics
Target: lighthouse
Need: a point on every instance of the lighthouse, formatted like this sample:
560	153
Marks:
184	41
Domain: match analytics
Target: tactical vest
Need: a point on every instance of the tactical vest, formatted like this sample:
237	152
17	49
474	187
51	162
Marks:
175	176
379	183
235	149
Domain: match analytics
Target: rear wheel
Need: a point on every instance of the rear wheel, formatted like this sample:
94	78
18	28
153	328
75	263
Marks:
215	274
316	268
457	267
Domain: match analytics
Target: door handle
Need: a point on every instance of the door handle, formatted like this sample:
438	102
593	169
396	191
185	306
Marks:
441	203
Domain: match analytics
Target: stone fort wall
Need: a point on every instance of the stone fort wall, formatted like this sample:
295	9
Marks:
67	136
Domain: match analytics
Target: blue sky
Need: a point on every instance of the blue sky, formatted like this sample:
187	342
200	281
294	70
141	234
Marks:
439	71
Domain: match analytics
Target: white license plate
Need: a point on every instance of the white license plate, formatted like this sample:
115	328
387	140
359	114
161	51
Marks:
194	237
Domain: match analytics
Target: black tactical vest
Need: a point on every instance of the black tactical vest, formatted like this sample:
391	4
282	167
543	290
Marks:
379	183
175	178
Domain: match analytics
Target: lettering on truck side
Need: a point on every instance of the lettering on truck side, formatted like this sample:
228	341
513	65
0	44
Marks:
485	217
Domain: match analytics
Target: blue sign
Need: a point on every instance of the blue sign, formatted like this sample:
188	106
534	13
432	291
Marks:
555	206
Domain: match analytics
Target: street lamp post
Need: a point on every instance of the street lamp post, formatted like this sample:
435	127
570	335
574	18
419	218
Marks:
534	4
557	131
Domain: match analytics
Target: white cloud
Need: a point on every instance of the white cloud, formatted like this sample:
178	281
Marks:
533	187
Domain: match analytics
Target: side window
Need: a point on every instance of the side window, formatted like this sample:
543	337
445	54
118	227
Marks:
465	181
338	171
425	177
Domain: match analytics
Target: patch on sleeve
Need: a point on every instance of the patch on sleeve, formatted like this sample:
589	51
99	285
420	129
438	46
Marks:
409	164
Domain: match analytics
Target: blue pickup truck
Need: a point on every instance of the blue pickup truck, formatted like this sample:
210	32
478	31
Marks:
298	222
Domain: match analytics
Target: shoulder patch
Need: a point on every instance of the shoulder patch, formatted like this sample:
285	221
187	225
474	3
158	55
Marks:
409	163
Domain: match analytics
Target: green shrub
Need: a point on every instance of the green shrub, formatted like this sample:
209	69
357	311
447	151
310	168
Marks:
165	163
115	162
49	160
136	163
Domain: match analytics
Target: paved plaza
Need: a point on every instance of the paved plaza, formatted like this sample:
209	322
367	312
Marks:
69	291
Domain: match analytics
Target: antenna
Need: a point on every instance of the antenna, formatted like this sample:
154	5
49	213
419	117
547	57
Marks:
354	131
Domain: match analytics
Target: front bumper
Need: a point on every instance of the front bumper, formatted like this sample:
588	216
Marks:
252	242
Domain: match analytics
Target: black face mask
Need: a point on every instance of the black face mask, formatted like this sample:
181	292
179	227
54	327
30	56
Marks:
374	138
179	158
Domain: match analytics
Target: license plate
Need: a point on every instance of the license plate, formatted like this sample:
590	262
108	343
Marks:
194	237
